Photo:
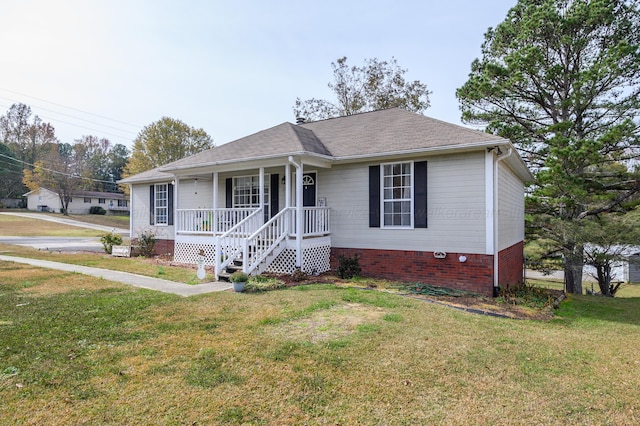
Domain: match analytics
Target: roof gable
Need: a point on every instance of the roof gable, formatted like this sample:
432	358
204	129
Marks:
283	139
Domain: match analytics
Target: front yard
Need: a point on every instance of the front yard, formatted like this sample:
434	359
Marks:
81	350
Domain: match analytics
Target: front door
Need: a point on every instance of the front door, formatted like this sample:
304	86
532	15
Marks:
309	189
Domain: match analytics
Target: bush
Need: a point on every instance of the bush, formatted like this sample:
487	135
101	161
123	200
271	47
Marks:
110	240
526	295
262	283
348	267
239	277
97	210
146	242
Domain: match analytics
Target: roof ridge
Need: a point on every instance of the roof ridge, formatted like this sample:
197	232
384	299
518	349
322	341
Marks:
353	115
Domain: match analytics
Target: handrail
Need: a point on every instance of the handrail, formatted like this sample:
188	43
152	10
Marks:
232	240
265	239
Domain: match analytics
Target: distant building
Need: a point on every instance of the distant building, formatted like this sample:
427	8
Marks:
45	200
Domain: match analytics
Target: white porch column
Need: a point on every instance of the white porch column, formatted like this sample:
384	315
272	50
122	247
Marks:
214	204
287	185
287	198
299	215
261	190
176	219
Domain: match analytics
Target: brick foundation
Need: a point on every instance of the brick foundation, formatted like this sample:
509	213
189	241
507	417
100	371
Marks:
475	274
510	264
164	248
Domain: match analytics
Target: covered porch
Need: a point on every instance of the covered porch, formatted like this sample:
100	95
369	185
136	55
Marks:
234	216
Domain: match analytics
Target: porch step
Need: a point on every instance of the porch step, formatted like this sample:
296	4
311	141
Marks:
233	267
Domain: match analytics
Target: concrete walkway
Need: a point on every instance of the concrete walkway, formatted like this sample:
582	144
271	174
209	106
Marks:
126	278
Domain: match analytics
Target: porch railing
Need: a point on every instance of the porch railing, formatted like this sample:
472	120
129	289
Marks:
231	243
316	221
262	242
209	221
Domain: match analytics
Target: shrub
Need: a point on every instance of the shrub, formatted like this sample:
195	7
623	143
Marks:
146	242
348	267
262	283
97	210
110	240
526	295
239	277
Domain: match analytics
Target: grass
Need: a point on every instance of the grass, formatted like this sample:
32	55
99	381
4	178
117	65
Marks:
141	266
80	350
20	226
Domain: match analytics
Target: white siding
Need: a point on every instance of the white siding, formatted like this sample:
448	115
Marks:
43	197
195	196
510	207
140	214
455	202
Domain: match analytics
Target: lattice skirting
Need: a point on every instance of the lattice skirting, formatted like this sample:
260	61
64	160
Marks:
316	255
316	252
187	252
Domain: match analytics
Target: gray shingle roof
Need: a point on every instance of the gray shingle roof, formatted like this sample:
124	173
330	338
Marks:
391	130
153	175
283	139
371	133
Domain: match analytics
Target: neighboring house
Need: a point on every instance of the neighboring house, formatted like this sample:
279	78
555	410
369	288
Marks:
43	199
417	199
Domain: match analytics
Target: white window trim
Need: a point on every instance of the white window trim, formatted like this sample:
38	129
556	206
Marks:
155	204
382	200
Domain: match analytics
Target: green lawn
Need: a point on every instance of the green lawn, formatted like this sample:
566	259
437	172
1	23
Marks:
80	350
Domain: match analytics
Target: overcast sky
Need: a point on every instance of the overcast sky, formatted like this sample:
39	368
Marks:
110	67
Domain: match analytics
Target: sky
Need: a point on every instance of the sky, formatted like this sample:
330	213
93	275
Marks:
110	67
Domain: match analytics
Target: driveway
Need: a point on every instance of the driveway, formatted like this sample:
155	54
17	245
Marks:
70	222
61	243
66	244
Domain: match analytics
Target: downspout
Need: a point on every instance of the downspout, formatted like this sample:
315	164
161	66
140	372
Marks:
496	248
299	211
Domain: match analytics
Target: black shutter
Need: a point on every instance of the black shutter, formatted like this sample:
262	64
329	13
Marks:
374	196
229	193
275	194
170	212
420	194
152	202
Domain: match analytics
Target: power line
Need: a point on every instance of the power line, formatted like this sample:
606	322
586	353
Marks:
83	127
72	108
74	117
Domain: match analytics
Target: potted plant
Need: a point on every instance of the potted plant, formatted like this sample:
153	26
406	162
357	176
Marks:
239	279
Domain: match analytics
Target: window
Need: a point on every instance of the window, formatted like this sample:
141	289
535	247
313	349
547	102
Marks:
397	194
246	192
101	201
122	203
87	200
161	204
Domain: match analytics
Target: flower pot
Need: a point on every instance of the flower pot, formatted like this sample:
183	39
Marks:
238	287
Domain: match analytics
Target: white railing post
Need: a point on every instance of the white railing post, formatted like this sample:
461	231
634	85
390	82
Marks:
216	257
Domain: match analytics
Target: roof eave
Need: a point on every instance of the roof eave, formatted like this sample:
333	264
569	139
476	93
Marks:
263	158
